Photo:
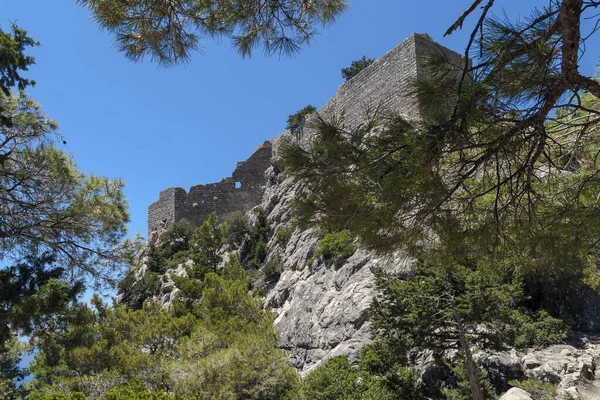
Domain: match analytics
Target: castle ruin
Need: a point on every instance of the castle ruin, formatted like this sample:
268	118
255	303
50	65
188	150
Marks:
384	85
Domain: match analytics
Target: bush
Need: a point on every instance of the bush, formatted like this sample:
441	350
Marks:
296	121
335	379
236	228
538	390
273	269
356	67
538	329
176	239
255	248
142	290
135	390
283	235
334	245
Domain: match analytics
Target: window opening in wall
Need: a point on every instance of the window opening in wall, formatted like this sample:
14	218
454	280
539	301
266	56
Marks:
238	185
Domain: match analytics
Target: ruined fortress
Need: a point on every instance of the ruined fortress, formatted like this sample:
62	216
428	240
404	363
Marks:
384	85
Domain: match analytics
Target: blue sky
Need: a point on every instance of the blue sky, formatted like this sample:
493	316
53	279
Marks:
190	124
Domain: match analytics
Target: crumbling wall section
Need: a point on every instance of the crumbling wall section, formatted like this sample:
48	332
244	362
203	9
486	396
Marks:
167	210
240	192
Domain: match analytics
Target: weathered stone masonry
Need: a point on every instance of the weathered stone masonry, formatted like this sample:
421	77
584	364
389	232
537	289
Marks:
240	192
384	85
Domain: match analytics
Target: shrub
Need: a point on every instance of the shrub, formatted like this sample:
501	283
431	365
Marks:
296	121
334	245
142	290
156	260
176	239
236	228
206	243
335	379
273	269
356	67
538	390
255	249
283	235
538	329
135	390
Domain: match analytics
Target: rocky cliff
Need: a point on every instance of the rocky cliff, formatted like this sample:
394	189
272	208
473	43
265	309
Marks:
321	309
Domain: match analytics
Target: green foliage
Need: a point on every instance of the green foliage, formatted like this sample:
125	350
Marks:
337	379
169	32
273	269
355	68
334	245
423	310
33	293
295	122
142	290
223	346
204	250
255	248
173	248
463	391
538	329
135	390
454	301
236	228
56	396
206	243
283	235
53	207
11	353
13	60
34	297
176	239
538	390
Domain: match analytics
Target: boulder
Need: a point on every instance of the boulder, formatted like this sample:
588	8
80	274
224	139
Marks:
516	394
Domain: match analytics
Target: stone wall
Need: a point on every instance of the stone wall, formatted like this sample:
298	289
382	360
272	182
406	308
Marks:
384	86
240	192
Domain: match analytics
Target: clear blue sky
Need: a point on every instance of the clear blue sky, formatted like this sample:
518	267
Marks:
157	128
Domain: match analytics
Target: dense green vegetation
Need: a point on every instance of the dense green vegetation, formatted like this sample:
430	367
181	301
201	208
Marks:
337	244
223	348
60	228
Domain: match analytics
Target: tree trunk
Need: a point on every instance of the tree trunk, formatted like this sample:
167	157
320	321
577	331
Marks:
474	384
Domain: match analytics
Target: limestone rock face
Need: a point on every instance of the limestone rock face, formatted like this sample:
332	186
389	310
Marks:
321	309
516	394
573	371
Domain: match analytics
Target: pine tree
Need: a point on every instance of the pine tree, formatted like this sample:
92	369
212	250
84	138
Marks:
501	166
169	31
206	243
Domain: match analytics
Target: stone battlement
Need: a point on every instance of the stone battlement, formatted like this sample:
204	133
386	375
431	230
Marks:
239	192
384	85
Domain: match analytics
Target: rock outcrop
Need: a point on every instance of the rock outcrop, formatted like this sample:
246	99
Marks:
573	371
321	309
